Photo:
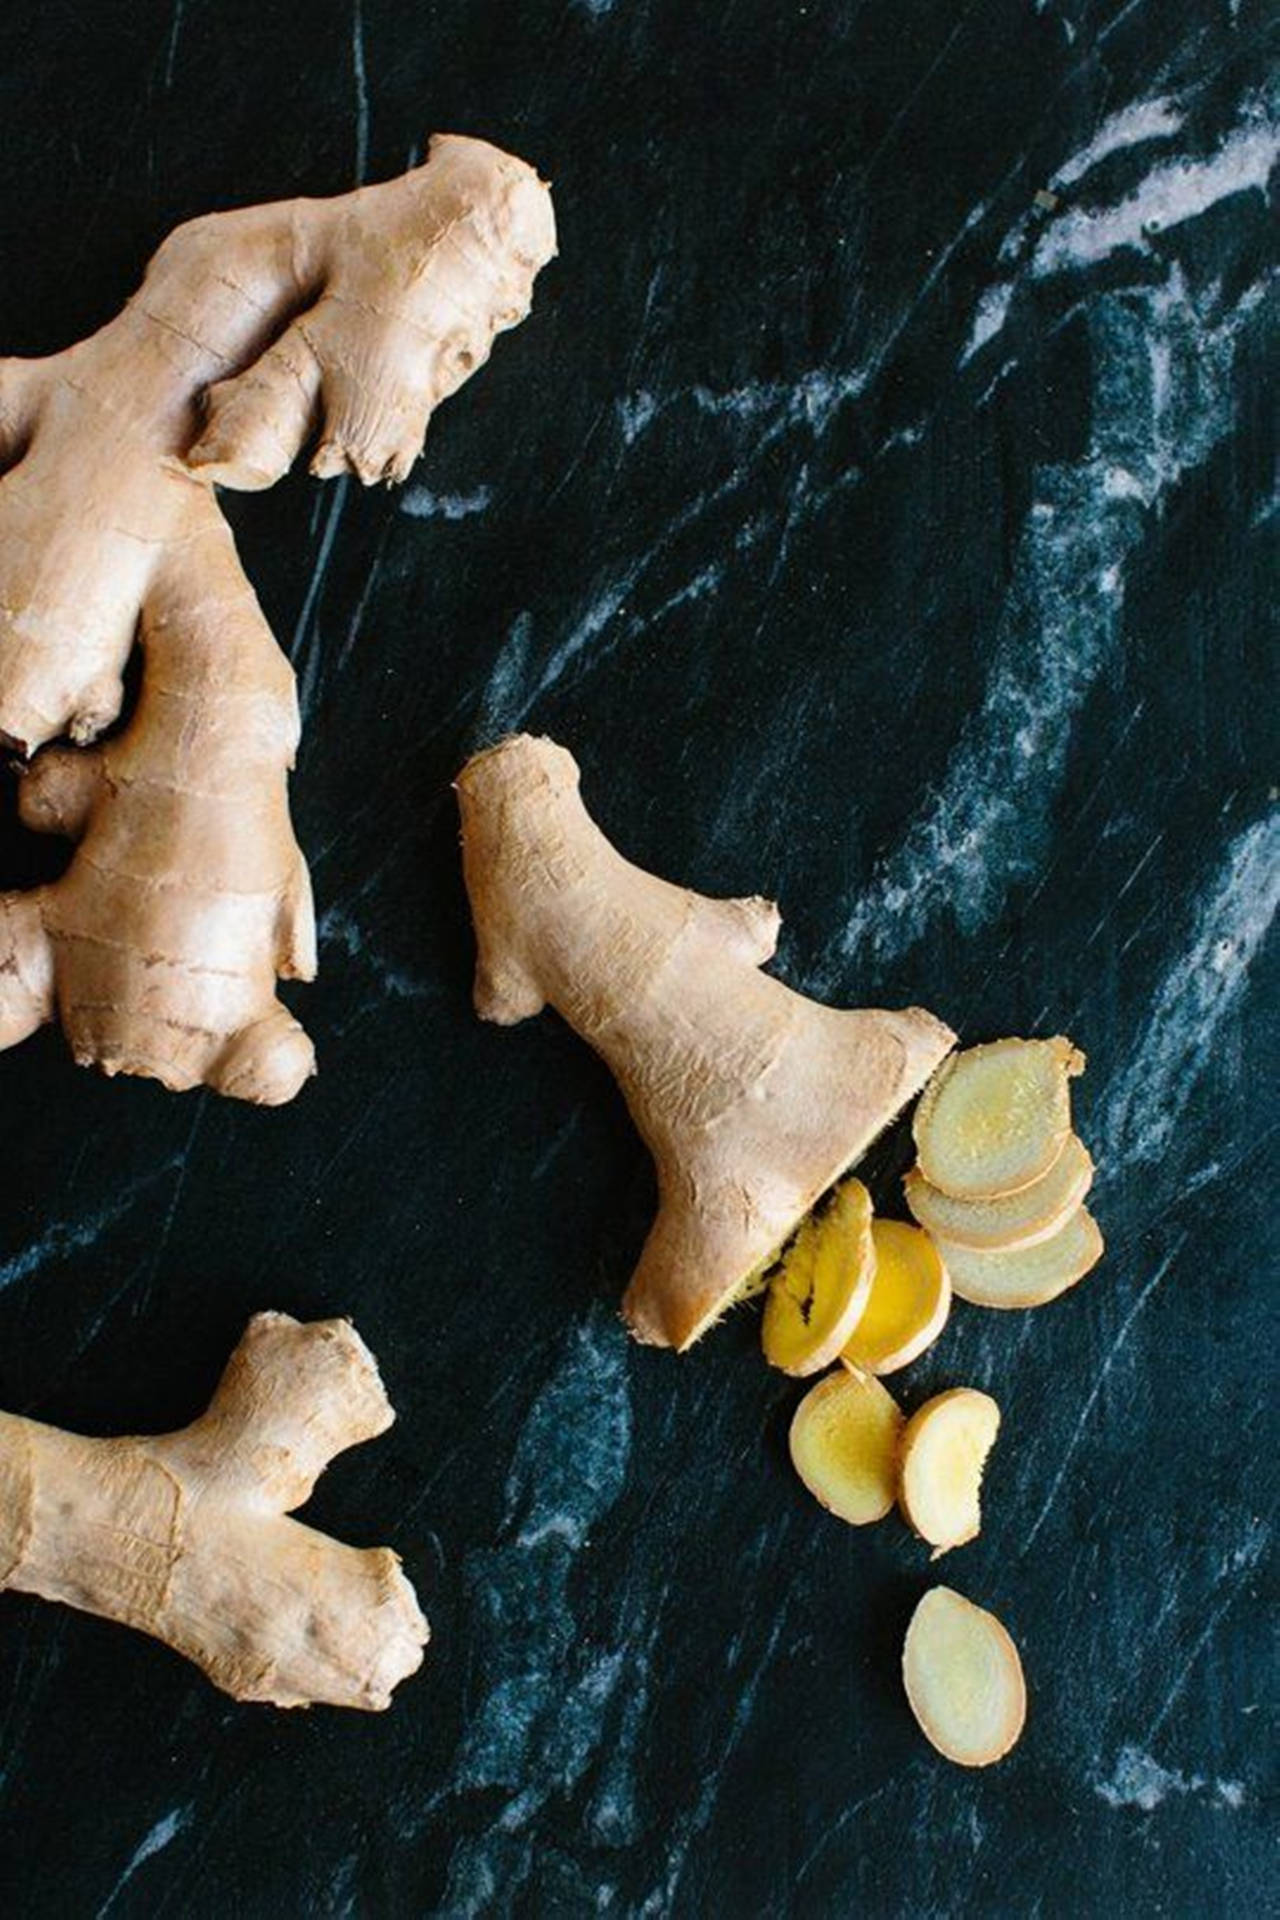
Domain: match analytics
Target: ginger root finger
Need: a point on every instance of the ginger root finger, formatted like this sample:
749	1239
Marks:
963	1678
1026	1276
944	1450
844	1445
908	1304
751	1099
995	1118
185	1536
823	1285
1011	1220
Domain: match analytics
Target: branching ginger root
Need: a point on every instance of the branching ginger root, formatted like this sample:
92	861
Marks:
185	1536
352	318
752	1099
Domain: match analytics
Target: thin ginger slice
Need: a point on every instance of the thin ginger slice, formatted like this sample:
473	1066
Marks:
944	1450
821	1289
844	1445
996	1118
1026	1276
1018	1219
909	1301
963	1679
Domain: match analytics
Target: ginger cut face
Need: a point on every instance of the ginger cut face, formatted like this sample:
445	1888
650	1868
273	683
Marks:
821	1291
1027	1276
909	1302
995	1118
1018	1219
964	1680
844	1445
944	1450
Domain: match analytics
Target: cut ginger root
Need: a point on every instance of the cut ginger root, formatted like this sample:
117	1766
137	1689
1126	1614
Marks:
186	1536
1027	1276
944	1450
844	1445
752	1099
1018	1219
909	1301
995	1118
963	1679
821	1290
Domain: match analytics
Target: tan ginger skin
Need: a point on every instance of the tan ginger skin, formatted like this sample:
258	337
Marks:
350	319
751	1099
186	1536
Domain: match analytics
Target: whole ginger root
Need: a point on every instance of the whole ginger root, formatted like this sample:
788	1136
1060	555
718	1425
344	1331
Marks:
350	319
186	1536
751	1098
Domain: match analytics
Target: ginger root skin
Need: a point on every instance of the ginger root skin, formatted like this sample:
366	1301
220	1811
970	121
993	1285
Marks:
752	1099
185	1536
351	318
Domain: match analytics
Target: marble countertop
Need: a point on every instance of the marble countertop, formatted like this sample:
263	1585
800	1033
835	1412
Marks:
880	505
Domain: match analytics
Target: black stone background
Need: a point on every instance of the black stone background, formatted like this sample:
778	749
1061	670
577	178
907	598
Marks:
746	192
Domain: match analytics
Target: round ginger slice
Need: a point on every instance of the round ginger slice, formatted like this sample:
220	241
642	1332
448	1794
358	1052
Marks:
944	1450
909	1301
844	1445
817	1297
996	1118
1018	1219
964	1679
1026	1276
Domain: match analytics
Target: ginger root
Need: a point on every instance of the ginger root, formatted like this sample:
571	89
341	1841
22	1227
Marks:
1027	1276
995	1118
1010	1220
844	1445
751	1099
185	1536
822	1288
188	896
944	1450
909	1302
963	1679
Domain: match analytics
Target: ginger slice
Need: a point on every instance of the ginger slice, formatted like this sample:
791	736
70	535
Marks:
1026	1276
909	1301
1018	1219
994	1119
821	1289
844	1445
963	1679
944	1450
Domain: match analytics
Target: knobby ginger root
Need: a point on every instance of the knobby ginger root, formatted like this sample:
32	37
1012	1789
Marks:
185	1536
1027	1276
995	1118
820	1293
188	896
752	1100
844	1445
963	1679
944	1450
909	1301
1018	1219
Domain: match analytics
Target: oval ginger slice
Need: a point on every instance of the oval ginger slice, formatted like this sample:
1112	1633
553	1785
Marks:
844	1445
817	1297
944	1450
1018	1219
1027	1276
996	1118
909	1301
964	1679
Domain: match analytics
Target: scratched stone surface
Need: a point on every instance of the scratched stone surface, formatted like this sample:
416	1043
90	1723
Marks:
880	503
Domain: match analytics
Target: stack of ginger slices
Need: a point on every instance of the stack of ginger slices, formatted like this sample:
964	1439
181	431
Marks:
998	1193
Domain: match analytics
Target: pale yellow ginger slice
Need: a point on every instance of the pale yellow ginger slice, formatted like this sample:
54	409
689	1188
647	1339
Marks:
1027	1276
909	1301
822	1286
996	1118
1018	1219
964	1679
844	1445
944	1450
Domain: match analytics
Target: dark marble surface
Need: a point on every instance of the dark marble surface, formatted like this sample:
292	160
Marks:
877	538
